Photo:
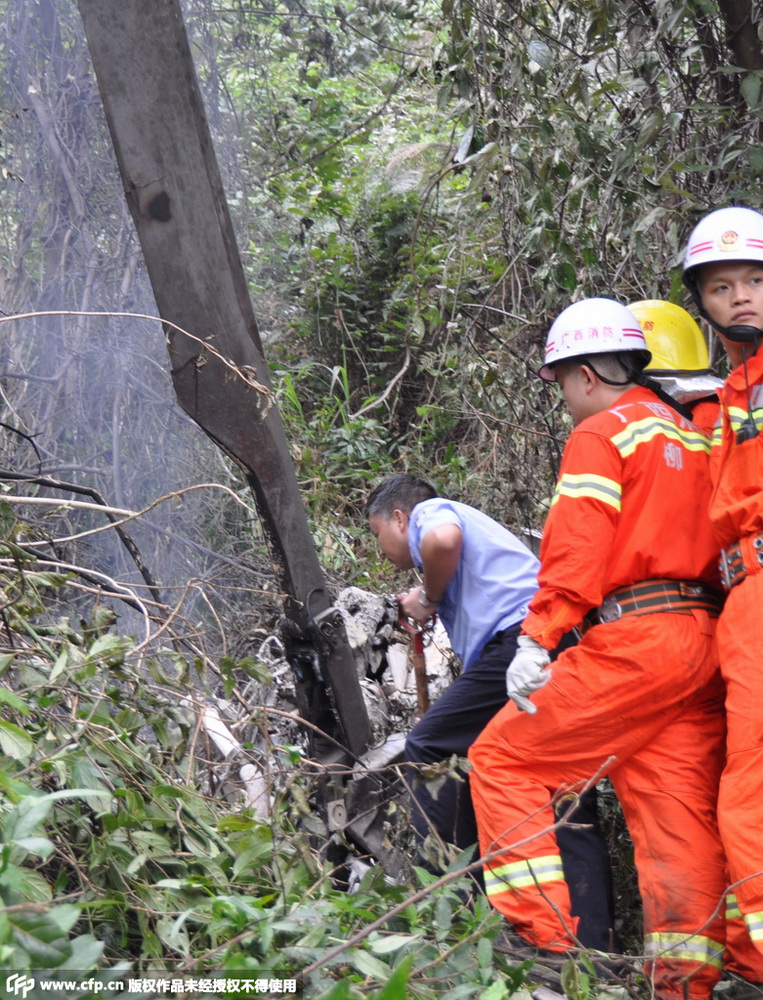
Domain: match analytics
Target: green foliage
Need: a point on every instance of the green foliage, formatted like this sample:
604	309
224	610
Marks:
543	153
335	445
123	847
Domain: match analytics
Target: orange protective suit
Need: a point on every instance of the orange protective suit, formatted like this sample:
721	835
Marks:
742	957
640	698
704	414
737	515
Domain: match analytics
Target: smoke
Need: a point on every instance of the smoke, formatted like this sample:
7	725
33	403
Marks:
87	400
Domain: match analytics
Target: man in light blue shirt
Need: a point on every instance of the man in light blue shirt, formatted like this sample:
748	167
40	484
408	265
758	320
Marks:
495	578
478	578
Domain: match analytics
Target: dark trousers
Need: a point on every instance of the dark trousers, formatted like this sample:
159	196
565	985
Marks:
450	727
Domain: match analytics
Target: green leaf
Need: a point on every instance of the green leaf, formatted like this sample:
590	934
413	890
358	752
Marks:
173	934
385	945
575	983
108	645
443	913
86	952
750	90
15	742
395	986
343	991
47	580
136	864
370	966
649	220
11	698
40	846
85	773
540	53
23	819
496	991
40	936
567	276
484	952
65	916
102	617
68	654
22	885
6	660
154	844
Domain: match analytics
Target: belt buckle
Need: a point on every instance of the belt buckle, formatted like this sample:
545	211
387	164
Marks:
610	610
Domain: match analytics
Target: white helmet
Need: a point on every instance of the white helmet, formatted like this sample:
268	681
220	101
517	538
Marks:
728	234
734	233
592	326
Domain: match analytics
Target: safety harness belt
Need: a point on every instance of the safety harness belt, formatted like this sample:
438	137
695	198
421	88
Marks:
652	596
734	568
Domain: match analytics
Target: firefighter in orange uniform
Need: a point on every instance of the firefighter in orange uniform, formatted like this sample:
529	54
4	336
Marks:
640	698
723	268
681	364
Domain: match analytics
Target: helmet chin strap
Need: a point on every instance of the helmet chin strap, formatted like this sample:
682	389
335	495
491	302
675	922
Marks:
637	376
737	334
586	360
747	336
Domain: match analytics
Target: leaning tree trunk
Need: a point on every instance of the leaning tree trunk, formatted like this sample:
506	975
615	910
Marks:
155	113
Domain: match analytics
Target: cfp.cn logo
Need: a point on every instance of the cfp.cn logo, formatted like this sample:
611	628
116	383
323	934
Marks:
19	985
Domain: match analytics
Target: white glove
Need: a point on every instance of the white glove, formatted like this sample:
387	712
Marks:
527	672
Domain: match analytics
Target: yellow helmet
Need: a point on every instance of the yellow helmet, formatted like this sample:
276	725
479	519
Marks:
673	337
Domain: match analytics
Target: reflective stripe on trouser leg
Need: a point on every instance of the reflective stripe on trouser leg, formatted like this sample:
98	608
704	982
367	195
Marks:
742	957
692	949
533	895
520	874
668	791
511	811
668	760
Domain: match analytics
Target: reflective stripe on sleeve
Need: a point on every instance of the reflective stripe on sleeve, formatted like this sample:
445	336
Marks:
520	874
642	431
732	907
737	417
684	948
588	485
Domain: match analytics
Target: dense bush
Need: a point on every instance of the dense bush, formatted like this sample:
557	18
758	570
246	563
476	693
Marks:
127	844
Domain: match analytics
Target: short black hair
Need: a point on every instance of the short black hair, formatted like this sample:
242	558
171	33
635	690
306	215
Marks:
401	492
611	366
